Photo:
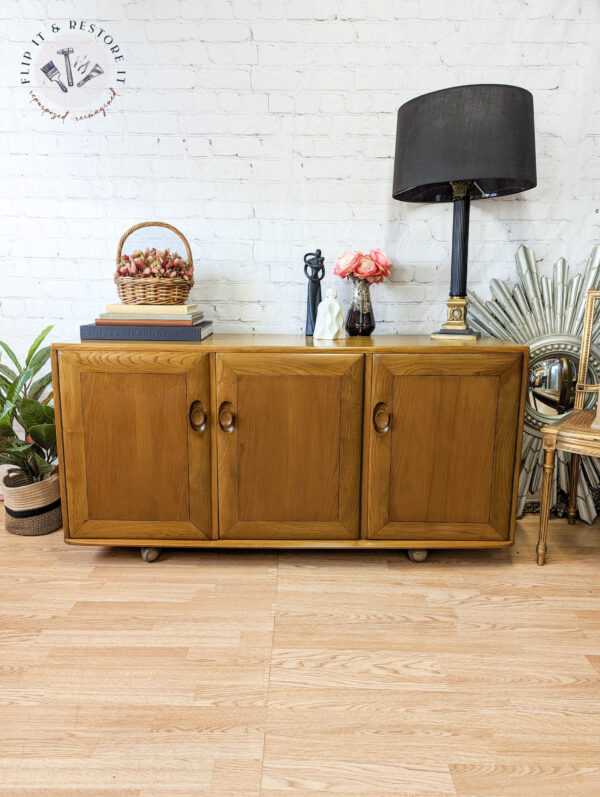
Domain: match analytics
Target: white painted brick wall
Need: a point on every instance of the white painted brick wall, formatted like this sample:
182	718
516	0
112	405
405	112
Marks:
264	129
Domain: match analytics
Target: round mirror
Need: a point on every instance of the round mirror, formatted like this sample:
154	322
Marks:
553	366
552	385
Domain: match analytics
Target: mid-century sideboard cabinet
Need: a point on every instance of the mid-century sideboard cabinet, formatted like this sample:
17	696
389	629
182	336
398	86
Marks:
269	441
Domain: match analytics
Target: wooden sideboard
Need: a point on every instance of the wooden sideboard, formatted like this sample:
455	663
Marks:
279	441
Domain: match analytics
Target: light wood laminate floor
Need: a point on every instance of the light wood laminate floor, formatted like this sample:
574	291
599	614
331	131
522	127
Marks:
475	673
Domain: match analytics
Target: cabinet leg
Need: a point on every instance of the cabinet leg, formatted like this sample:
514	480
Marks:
150	554
572	514
545	504
417	554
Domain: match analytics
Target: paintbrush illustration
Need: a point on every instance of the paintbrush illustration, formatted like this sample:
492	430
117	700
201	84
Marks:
94	72
53	74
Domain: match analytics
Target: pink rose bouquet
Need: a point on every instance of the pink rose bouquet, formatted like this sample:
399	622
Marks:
373	267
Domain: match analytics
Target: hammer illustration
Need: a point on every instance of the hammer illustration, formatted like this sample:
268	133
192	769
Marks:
66	52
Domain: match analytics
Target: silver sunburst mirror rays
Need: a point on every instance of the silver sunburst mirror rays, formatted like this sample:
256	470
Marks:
547	315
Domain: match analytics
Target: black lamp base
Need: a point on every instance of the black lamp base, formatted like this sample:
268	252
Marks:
456	327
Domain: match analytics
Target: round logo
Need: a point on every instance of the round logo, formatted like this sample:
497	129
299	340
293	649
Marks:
73	70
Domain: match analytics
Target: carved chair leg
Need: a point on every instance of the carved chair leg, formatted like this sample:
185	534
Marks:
545	504
572	514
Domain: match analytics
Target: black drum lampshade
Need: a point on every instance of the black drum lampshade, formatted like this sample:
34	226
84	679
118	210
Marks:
458	144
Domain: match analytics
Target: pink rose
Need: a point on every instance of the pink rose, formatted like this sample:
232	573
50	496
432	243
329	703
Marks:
381	261
347	263
366	269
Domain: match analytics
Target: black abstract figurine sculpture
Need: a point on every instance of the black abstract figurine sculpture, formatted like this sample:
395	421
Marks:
314	271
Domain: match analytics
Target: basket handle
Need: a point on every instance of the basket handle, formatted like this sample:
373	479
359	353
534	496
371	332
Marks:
142	224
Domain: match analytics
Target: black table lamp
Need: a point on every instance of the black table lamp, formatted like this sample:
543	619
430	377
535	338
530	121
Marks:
458	144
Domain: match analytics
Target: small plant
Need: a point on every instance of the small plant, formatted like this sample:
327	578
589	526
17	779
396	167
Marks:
153	263
27	428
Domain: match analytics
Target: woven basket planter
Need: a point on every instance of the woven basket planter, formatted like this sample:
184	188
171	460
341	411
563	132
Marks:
32	509
153	290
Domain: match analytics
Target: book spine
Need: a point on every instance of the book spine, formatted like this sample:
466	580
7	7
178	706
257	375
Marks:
137	322
151	318
93	332
152	309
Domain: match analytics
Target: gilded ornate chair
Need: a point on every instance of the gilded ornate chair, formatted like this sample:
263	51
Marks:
578	433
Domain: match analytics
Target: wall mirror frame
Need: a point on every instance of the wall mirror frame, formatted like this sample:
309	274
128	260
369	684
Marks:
547	314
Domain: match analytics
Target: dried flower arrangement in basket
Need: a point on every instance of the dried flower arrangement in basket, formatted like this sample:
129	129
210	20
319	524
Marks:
153	276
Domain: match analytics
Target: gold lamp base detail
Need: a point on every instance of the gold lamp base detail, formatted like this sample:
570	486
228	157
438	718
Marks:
456	327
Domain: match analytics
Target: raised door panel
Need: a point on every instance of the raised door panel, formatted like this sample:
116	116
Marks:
289	445
443	446
136	444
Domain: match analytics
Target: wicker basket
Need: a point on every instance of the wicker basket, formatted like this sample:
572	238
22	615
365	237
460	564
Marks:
32	509
153	290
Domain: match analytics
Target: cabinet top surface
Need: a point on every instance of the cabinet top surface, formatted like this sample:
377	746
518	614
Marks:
376	343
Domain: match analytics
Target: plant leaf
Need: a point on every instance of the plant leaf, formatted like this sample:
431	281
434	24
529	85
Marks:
16	387
43	467
8	372
7	417
9	459
36	344
12	355
6	429
37	388
44	435
38	360
19	447
21	465
32	413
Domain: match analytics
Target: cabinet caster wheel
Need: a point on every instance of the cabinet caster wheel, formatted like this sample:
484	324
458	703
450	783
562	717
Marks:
150	554
417	554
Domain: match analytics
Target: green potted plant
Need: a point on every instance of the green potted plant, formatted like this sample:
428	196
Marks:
28	442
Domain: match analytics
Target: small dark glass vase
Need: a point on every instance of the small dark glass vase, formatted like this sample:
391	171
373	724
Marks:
360	319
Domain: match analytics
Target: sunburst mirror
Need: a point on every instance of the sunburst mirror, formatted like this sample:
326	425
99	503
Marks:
547	315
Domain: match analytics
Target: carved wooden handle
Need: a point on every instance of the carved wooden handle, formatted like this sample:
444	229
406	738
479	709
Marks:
226	417
198	416
382	417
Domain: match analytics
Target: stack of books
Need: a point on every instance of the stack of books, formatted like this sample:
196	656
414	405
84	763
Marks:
149	322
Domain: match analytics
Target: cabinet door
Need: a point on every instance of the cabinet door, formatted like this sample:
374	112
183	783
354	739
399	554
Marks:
443	446
289	445
136	443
